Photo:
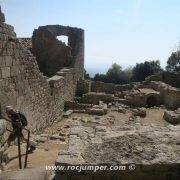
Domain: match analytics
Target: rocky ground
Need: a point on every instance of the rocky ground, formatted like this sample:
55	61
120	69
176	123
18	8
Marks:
114	132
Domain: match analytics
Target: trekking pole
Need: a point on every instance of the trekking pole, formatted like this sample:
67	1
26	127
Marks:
27	146
19	145
19	152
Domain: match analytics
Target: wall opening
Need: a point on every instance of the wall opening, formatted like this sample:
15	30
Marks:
152	101
64	39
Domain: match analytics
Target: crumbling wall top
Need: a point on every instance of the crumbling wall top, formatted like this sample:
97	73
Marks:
2	17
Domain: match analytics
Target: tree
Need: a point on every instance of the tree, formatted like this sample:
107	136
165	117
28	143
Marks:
173	63
86	75
143	70
128	73
114	74
100	77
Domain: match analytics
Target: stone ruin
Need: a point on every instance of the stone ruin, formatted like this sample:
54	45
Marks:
38	74
42	77
52	54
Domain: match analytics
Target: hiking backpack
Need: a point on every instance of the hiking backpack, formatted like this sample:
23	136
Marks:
23	119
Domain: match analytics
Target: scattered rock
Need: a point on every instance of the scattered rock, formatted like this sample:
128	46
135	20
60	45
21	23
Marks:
111	121
68	113
97	117
109	105
172	117
66	126
85	119
75	118
40	139
101	129
44	135
120	94
122	110
62	134
139	112
57	137
97	111
79	111
132	118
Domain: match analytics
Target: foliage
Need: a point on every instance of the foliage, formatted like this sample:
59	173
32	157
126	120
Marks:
115	74
139	72
100	77
143	70
86	75
173	63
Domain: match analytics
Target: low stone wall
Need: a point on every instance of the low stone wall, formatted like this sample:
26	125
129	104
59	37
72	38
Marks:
141	99
94	98
170	95
76	106
83	87
170	78
109	88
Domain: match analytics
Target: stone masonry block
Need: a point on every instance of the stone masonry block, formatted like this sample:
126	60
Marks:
14	71
5	72
8	60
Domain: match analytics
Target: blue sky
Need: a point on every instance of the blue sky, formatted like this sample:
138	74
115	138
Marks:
122	31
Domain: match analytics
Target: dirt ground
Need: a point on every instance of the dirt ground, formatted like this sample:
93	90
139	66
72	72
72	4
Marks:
47	152
42	156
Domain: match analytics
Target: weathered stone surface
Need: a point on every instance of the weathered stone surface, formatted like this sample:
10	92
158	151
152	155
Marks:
38	173
139	112
94	98
121	110
146	146
2	18
143	97
171	78
96	111
57	137
2	126
83	87
170	95
109	88
172	117
76	106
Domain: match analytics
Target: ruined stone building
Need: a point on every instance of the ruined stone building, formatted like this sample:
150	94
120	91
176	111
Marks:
104	123
38	74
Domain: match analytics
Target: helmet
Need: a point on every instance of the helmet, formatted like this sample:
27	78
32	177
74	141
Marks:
9	108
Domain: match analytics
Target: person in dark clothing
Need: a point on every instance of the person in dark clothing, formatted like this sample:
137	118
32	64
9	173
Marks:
17	125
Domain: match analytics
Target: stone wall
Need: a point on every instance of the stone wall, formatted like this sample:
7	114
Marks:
83	87
53	54
23	86
109	88
169	95
172	79
26	42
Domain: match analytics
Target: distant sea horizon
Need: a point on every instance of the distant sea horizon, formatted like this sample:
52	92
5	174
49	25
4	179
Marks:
100	69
